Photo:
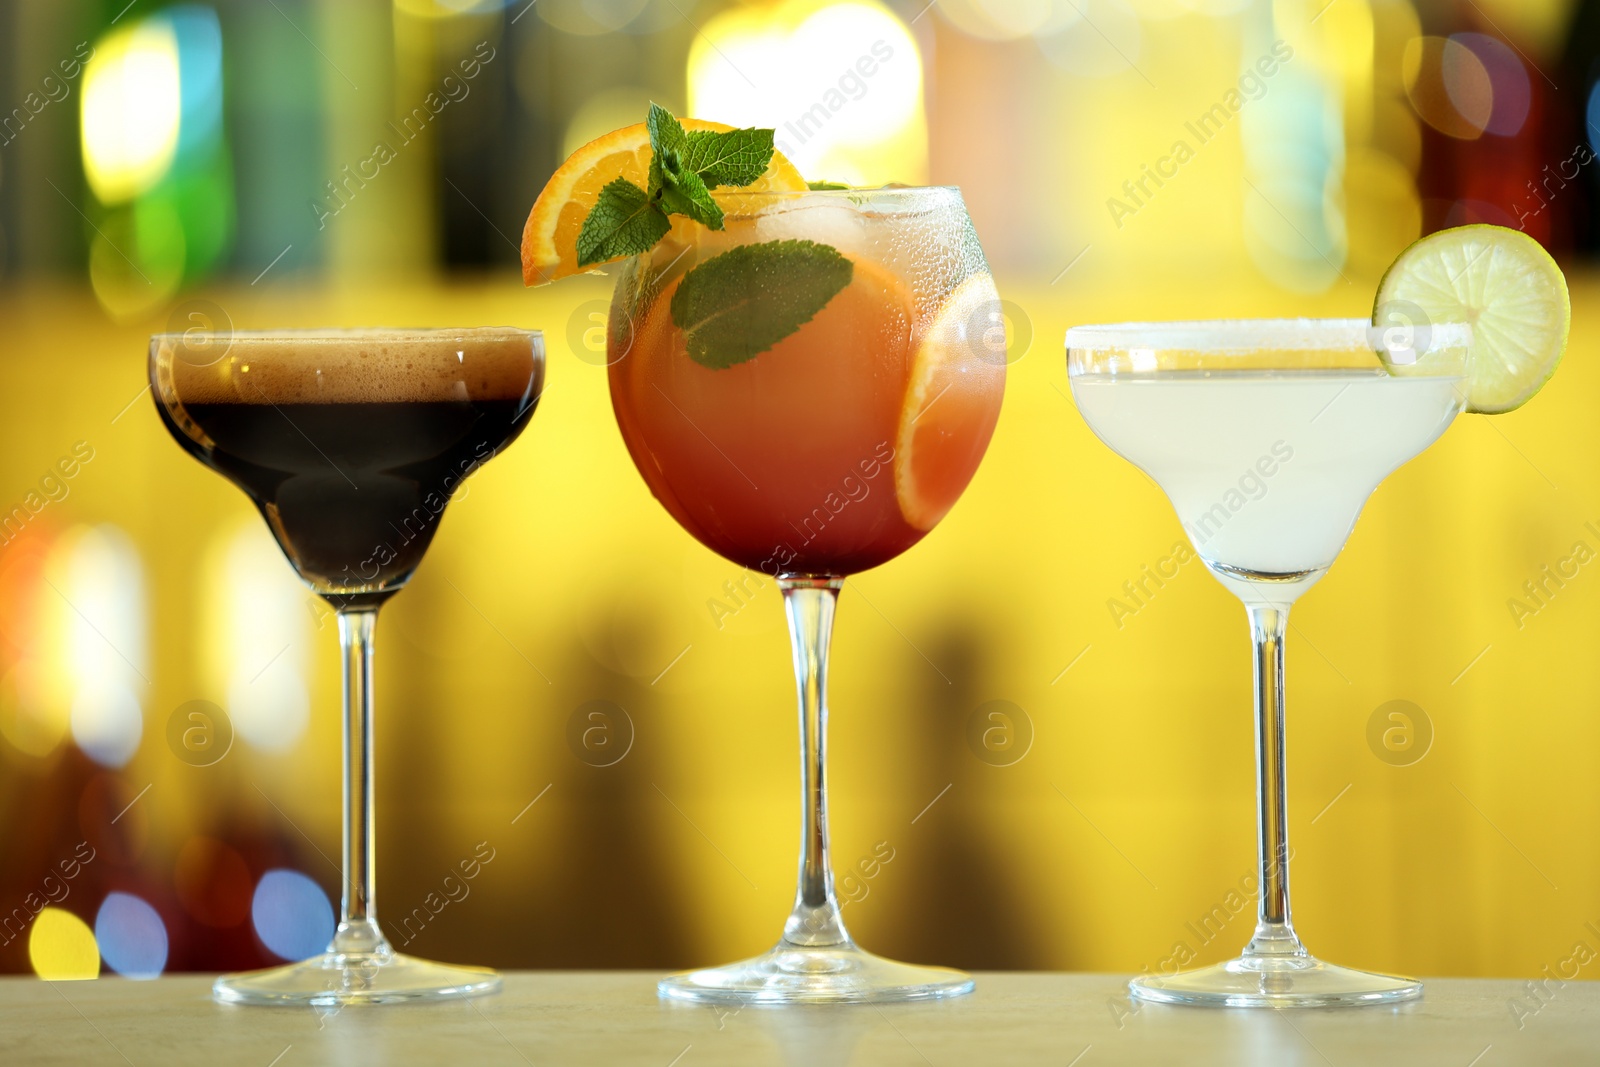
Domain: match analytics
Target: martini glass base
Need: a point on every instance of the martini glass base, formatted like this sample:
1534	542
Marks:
805	974
1275	982
339	978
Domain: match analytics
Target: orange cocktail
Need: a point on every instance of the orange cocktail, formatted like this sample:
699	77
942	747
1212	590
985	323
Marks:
845	442
807	378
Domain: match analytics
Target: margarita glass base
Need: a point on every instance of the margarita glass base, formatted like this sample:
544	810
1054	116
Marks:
1275	982
810	974
339	978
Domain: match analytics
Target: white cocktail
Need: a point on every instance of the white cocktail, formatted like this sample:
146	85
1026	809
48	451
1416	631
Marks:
1268	468
1268	436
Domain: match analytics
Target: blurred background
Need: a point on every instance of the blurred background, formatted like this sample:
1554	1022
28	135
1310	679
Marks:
1041	739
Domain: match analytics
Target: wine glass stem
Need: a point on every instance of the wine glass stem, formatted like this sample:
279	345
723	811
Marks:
1274	933
358	925
809	604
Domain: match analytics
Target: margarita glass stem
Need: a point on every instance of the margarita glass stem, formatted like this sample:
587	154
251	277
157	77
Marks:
1274	935
358	932
809	604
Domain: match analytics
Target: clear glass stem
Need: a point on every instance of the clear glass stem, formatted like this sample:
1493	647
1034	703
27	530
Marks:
358	931
814	962
1274	935
809	604
1275	970
359	966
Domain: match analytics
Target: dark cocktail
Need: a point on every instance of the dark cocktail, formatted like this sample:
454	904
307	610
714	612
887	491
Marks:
350	443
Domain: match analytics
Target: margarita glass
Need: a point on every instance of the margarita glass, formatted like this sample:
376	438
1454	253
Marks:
1268	436
350	443
831	451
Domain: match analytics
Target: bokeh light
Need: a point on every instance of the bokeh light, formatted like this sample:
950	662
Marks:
61	947
1294	159
199	38
35	693
132	937
292	915
1449	86
262	637
1509	90
107	723
137	257
841	84
132	103
100	578
155	157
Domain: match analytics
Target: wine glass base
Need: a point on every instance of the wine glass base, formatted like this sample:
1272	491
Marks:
1275	982
831	974
336	979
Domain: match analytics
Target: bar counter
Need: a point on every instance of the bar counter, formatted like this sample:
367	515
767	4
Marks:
615	1018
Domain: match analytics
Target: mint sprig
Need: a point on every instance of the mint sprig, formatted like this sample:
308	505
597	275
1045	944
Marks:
735	306
684	167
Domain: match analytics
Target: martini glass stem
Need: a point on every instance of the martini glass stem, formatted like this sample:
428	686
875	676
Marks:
358	931
1274	935
809	604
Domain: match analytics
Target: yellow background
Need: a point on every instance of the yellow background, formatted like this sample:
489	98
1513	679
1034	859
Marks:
557	580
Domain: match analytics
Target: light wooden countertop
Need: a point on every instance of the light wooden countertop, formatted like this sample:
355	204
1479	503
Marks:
603	1018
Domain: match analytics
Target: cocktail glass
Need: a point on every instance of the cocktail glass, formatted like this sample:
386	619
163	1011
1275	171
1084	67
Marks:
832	451
350	443
1268	437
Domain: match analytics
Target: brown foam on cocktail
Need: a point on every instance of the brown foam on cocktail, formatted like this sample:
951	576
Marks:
355	368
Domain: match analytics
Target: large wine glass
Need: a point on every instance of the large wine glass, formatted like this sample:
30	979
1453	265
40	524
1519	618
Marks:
810	458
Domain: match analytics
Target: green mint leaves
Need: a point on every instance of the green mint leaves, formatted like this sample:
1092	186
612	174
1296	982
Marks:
737	157
734	306
684	168
623	222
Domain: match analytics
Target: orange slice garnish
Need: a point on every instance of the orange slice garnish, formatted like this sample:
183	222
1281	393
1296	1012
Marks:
958	375
550	239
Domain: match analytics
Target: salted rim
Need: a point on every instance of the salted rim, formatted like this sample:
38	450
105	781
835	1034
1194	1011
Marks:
1254	335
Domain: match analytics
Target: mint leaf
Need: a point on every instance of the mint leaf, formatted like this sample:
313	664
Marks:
735	306
675	186
737	157
623	222
818	187
666	132
687	195
679	191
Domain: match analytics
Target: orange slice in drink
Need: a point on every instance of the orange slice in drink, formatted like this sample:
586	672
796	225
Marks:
550	239
958	375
